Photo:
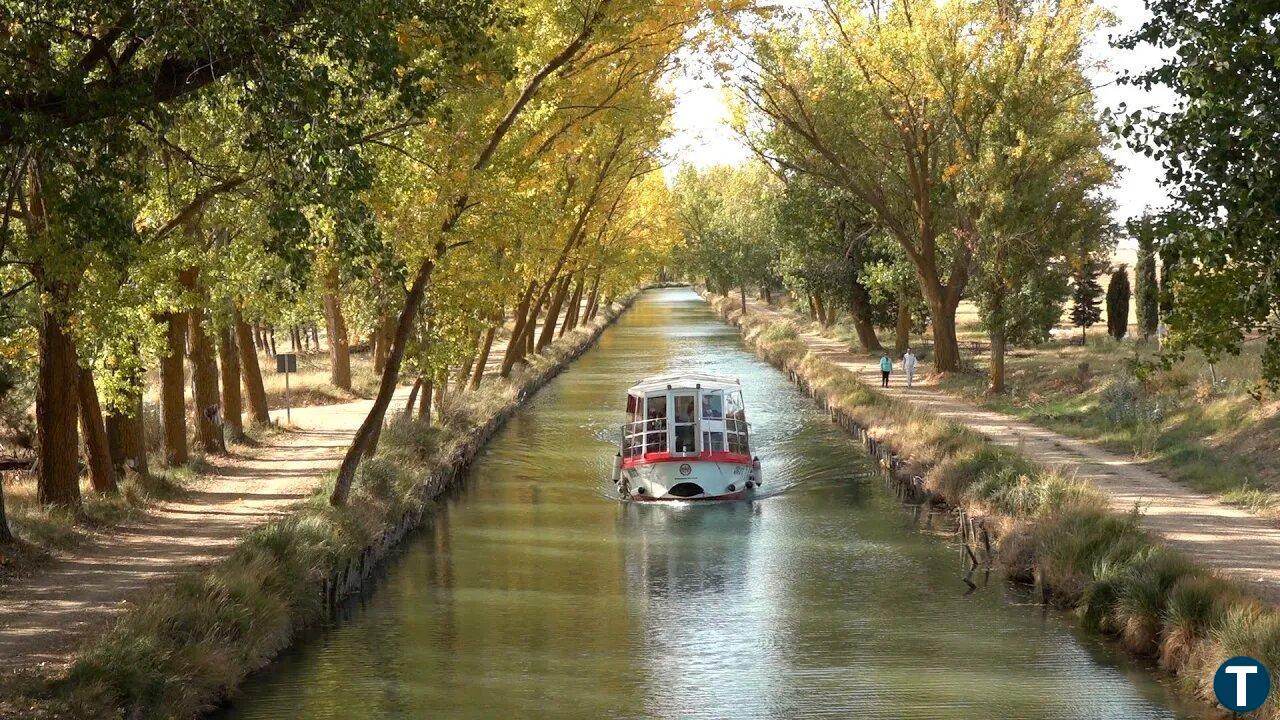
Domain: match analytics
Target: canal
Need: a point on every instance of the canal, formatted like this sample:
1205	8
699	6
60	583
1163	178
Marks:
533	593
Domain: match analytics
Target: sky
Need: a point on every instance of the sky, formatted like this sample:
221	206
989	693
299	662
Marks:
702	136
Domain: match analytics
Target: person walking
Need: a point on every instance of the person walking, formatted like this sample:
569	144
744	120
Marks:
886	367
909	365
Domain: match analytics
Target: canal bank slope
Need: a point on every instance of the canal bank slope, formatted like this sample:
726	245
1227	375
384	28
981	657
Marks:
1173	575
188	642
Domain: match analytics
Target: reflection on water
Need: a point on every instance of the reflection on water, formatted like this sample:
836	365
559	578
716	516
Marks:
534	594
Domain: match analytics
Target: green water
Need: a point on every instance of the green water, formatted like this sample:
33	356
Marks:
535	594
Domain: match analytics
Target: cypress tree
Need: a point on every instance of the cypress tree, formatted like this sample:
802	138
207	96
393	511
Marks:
1118	304
1086	307
1147	289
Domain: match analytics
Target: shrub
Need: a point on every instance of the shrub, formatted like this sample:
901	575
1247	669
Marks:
1124	403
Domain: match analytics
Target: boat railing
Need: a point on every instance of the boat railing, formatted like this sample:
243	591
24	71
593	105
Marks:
638	435
645	436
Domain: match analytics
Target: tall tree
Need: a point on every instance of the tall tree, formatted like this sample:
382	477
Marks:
1220	150
1118	293
900	104
1086	294
598	46
1146	285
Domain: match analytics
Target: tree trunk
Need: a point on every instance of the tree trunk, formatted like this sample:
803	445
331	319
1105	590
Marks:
232	400
424	402
6	537
512	354
946	348
131	431
553	313
336	325
531	328
813	308
386	333
58	440
441	393
768	295
819	309
997	362
413	396
113	423
173	390
575	306
204	380
742	294
271	339
593	302
387	387
902	331
486	345
101	471
464	372
860	311
379	353
250	372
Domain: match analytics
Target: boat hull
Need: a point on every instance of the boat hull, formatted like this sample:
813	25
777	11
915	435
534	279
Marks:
690	479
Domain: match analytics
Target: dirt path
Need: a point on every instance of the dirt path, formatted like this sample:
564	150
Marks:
1241	546
44	617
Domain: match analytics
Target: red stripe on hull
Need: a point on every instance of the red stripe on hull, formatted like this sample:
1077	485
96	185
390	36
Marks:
662	457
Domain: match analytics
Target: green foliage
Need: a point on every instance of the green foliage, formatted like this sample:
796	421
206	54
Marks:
1219	150
728	218
1147	286
1118	304
1086	294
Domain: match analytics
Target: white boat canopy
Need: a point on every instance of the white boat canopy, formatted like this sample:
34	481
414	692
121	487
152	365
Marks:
683	381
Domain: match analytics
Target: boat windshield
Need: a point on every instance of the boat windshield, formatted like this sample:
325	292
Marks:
656	424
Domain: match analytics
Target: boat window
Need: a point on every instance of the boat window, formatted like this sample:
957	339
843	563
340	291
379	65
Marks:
713	441
633	431
686	413
656	424
684	439
684	409
712	406
734	401
736	424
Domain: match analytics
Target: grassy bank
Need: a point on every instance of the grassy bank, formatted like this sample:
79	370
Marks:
1098	565
1186	422
193	641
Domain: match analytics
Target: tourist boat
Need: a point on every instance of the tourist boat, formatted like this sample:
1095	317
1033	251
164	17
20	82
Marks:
686	438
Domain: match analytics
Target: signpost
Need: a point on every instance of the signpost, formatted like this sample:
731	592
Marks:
287	363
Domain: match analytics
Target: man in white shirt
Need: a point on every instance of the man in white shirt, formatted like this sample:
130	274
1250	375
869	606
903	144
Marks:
909	365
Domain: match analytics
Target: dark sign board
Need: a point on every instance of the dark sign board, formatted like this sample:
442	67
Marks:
287	362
